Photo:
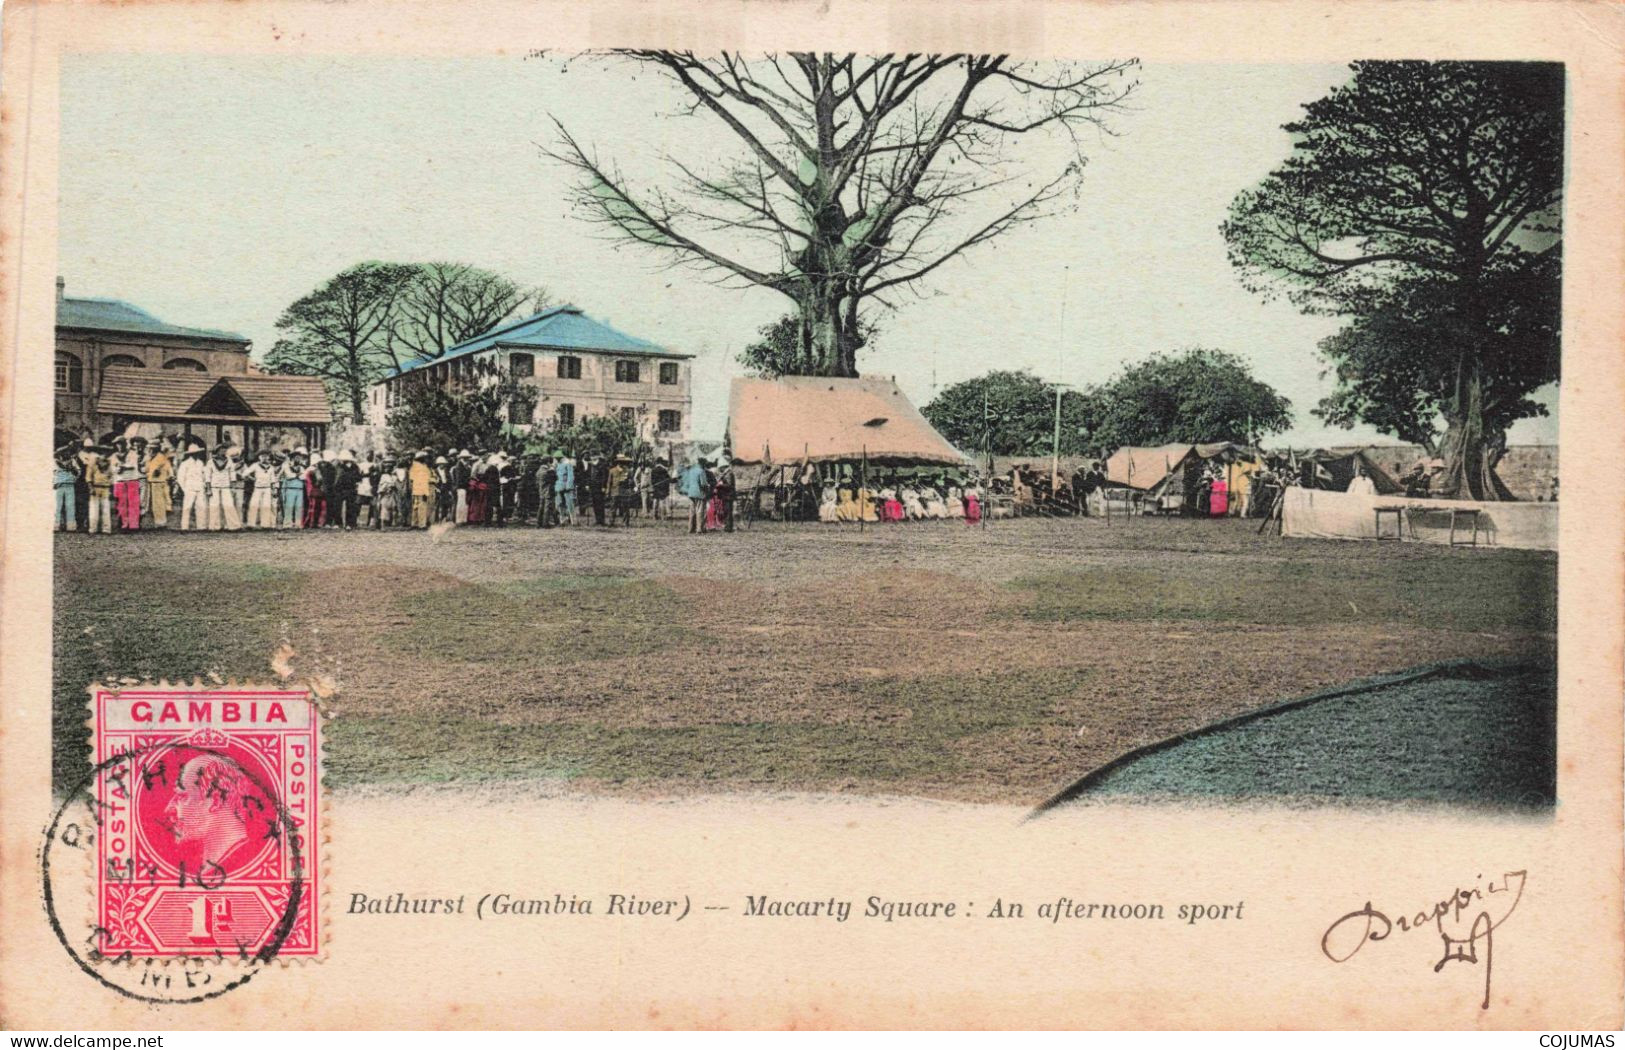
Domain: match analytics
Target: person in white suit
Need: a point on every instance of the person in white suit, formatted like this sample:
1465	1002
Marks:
222	508
193	478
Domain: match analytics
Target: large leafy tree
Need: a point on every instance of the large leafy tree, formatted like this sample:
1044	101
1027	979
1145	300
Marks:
1194	396
342	332
855	177
1396	366
359	324
1422	200
1009	413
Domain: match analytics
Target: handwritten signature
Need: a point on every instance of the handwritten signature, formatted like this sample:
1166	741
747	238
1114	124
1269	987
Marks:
1465	922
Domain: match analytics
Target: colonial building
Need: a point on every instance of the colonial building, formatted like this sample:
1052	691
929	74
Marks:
118	365
580	367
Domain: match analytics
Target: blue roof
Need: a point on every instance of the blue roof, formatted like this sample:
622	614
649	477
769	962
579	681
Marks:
559	328
114	315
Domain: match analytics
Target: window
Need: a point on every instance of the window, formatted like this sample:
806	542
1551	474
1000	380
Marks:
569	367
671	421
122	361
567	413
629	415
70	374
668	373
185	364
520	412
521	365
626	371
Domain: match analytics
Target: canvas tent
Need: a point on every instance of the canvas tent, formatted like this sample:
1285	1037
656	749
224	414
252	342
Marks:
1179	489
774	422
1141	468
1333	469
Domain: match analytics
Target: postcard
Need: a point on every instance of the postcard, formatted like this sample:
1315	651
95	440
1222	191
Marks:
785	515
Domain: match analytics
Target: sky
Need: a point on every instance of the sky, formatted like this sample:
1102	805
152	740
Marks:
214	191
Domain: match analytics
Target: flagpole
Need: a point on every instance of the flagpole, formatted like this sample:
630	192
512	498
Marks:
863	486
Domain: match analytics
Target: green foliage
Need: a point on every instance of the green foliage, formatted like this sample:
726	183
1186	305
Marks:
359	324
472	416
341	332
783	348
1194	396
606	436
1423	200
1396	366
1010	414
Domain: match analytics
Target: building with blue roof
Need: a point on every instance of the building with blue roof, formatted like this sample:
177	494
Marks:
579	366
118	366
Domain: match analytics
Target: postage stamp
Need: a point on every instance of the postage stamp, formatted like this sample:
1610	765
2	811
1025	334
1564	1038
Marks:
210	842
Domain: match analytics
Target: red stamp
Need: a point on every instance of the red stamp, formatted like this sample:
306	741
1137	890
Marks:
210	814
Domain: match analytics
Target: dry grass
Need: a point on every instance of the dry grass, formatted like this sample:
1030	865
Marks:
932	660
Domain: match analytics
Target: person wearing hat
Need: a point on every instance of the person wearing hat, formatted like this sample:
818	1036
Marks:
220	474
722	493
82	456
461	473
492	476
127	483
160	480
445	498
99	477
384	495
403	491
266	480
597	487
564	488
619	484
547	476
192	478
659	489
528	505
691	484
291	490
238	493
63	480
366	485
343	508
421	481
319	488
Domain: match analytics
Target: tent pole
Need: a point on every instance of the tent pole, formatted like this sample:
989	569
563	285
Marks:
863	486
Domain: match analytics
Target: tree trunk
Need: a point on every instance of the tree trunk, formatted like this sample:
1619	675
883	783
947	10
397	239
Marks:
1469	453
829	336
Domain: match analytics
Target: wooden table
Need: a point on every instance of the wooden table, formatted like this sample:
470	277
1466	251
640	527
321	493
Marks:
1472	514
1401	519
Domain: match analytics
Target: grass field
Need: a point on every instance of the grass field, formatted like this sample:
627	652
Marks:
931	660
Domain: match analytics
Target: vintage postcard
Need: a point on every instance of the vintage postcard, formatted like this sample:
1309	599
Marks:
812	515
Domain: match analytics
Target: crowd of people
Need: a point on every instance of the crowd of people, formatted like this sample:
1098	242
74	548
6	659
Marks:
130	483
890	496
126	484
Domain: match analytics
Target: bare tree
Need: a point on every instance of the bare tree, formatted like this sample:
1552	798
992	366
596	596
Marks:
447	303
340	333
856	177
